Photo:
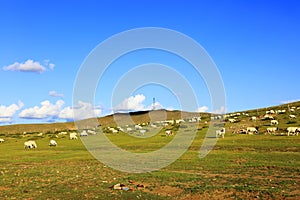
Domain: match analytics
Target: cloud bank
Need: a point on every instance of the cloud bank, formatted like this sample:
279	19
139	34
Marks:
135	103
44	111
7	112
82	110
28	66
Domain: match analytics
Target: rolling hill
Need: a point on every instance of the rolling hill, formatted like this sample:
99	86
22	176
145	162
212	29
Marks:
154	115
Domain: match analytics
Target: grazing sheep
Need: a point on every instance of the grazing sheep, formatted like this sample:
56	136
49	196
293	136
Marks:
280	111
128	129
142	132
169	132
1	140
268	117
220	133
91	132
115	131
52	143
272	130
232	120
30	144
138	127
270	112
253	118
292	116
178	121
73	136
153	126
251	130
293	130
83	133
120	129
274	122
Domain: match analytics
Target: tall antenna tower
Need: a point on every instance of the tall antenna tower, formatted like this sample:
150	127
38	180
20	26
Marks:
153	104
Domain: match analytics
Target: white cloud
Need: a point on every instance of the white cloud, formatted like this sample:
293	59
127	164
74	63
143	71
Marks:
66	113
27	66
44	111
136	103
5	120
289	101
83	110
132	103
55	94
9	111
202	109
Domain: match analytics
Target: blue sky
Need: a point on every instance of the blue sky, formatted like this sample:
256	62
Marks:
255	45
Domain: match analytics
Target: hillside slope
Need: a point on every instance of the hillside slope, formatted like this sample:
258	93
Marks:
158	115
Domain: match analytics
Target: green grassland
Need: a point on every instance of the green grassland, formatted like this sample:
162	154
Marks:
240	166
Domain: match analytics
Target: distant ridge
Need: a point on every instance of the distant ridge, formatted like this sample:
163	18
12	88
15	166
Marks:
121	119
109	120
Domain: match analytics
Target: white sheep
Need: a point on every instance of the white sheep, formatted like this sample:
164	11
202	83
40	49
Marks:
293	130
220	133
268	117
52	143
115	131
232	120
178	121
292	116
91	132
142	132
83	133
1	140
169	132
73	136
153	126
120	129
30	144
138	127
272	130
253	118
274	122
251	130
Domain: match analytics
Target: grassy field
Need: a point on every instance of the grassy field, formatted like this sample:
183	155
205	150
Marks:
239	167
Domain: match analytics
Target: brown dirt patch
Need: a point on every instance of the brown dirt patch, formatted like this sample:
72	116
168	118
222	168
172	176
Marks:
4	188
167	191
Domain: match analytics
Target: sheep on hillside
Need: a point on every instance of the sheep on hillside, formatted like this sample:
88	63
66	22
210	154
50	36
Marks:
220	133
52	143
30	144
251	130
272	130
274	122
73	136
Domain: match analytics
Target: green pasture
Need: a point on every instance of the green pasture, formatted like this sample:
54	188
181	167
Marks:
239	167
